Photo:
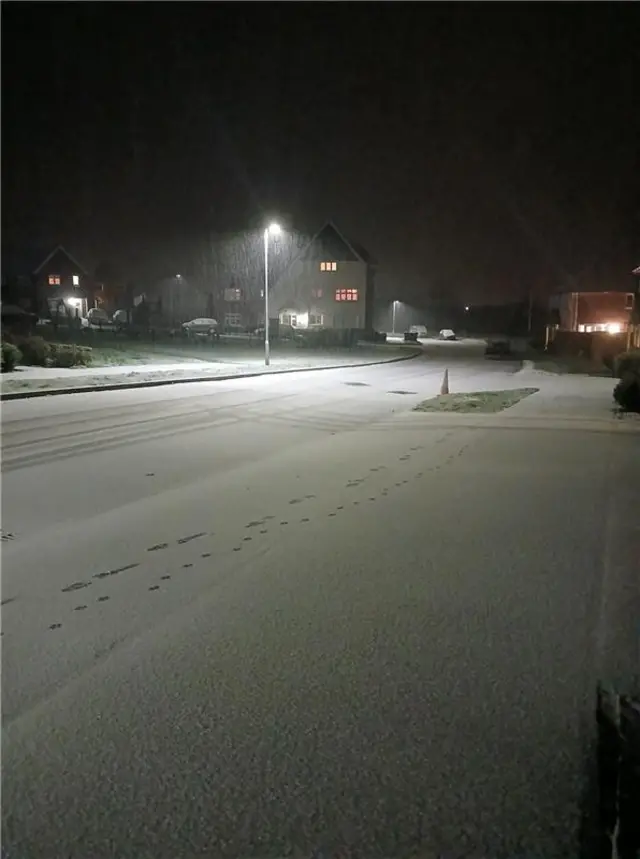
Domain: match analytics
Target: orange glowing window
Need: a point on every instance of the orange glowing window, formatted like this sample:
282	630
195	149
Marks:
346	294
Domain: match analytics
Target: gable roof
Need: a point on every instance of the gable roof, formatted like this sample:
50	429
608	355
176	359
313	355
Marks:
636	271
56	250
330	244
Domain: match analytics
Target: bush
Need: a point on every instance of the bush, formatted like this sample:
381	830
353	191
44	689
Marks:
11	357
35	350
627	392
627	362
69	355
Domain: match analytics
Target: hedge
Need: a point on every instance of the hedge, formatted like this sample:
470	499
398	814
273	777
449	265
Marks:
69	355
35	350
627	392
11	357
627	362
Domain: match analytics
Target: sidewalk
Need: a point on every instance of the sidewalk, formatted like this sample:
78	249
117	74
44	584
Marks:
565	396
37	381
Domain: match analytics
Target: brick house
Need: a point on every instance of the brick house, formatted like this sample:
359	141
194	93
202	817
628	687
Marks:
589	312
330	284
62	285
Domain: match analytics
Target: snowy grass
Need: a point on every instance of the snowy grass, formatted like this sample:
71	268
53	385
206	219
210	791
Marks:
485	402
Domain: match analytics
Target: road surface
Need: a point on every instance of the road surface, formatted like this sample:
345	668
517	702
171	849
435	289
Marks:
270	616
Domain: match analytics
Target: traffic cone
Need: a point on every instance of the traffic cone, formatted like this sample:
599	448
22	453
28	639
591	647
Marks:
444	387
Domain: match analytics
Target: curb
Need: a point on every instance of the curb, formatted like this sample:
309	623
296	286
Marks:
157	383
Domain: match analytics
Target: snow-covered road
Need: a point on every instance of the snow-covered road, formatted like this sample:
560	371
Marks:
270	616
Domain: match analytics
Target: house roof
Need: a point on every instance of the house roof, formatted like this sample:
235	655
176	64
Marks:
60	249
330	244
636	271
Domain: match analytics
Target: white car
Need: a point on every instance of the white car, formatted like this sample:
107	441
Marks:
448	334
99	318
420	330
200	326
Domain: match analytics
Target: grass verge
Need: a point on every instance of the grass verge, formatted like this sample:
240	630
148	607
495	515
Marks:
572	366
482	402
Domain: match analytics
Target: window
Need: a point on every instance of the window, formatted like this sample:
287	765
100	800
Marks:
346	294
328	266
54	280
316	293
288	319
76	280
233	320
232	294
628	302
316	319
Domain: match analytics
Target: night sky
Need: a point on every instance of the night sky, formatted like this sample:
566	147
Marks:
477	150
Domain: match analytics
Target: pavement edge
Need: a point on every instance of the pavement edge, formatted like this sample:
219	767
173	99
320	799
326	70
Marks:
156	383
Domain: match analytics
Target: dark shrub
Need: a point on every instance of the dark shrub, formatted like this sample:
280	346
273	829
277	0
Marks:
69	355
627	362
11	357
35	350
627	392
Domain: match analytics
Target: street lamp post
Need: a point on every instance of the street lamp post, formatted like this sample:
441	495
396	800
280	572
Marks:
393	318
173	298
271	230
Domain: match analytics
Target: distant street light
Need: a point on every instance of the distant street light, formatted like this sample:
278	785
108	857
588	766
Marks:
272	230
466	308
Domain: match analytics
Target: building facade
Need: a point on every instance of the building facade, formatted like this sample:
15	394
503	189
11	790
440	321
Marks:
329	285
589	312
62	287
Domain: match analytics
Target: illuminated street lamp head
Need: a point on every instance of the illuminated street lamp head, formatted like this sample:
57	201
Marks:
274	229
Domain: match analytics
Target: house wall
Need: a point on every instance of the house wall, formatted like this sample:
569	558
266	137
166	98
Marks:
308	290
61	266
593	308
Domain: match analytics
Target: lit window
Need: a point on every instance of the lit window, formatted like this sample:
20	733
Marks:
232	294
346	294
76	280
328	266
628	303
54	280
315	319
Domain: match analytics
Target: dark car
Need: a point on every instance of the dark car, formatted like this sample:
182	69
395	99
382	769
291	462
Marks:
498	348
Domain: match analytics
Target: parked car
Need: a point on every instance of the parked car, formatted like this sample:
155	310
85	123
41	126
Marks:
498	348
200	327
97	318
410	336
121	317
420	330
448	334
282	332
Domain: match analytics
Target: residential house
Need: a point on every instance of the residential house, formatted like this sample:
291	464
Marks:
47	283
63	286
173	300
329	284
589	312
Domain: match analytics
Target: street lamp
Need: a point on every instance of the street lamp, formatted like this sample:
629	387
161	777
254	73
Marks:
393	318
272	230
175	292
